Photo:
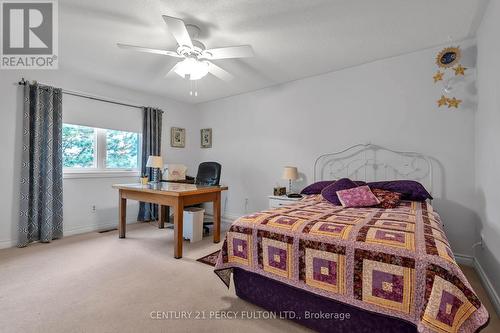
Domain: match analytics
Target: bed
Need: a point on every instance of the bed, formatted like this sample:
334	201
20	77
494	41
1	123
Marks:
327	267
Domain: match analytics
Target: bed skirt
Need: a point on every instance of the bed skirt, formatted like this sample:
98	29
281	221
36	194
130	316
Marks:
313	311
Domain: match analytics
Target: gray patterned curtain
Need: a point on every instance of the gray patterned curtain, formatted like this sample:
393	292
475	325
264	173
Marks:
151	145
41	209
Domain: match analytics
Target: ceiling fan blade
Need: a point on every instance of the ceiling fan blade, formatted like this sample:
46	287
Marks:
219	72
148	50
242	51
178	29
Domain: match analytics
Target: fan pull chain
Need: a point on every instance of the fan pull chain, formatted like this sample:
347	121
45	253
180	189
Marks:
194	88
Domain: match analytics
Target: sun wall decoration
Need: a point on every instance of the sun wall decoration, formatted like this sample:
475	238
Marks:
448	61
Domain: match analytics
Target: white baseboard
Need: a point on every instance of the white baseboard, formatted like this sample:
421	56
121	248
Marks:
485	281
464	259
95	227
495	300
5	244
226	218
230	217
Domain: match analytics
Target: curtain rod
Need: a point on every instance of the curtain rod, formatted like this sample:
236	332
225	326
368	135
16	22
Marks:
23	82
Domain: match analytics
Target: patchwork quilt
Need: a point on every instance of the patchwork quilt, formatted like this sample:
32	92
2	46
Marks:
395	262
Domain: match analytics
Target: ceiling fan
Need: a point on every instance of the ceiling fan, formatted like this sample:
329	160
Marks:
196	63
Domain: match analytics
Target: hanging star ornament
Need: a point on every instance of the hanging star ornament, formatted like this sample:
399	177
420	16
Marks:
442	101
438	76
459	70
453	102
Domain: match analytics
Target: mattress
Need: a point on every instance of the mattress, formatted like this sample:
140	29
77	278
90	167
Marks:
394	262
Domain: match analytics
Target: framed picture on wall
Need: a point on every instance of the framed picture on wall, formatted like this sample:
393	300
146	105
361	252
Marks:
178	137
206	137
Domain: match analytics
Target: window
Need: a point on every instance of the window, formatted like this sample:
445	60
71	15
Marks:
89	150
122	150
79	146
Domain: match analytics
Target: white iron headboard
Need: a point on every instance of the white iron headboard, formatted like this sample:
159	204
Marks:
371	162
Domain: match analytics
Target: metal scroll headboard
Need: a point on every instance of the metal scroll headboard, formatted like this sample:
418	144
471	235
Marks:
371	162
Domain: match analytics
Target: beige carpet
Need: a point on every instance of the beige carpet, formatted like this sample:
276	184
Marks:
99	283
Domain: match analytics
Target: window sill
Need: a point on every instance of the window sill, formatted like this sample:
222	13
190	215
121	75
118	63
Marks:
99	174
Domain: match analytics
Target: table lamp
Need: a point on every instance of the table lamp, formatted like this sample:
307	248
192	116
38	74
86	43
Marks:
290	173
156	163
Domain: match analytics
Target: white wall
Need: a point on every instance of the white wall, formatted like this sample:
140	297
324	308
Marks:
391	102
80	194
487	143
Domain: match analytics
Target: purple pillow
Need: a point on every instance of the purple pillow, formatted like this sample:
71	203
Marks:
360	196
316	188
410	189
330	192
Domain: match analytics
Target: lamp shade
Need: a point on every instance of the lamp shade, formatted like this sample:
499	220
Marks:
290	173
155	162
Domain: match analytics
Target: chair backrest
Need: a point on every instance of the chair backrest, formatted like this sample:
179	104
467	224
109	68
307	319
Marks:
208	174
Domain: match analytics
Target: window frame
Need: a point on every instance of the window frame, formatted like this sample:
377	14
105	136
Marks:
99	170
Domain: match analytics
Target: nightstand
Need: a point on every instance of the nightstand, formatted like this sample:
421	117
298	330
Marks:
281	200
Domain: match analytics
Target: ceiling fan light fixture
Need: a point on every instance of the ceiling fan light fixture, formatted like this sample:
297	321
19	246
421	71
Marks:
192	69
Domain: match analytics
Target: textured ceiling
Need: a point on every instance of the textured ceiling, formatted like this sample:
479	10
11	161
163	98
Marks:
292	39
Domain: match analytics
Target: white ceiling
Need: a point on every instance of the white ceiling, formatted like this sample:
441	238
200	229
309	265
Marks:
292	39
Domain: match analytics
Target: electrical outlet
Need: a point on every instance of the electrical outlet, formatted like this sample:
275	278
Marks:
93	209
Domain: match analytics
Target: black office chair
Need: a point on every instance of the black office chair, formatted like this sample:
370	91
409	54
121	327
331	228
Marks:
208	174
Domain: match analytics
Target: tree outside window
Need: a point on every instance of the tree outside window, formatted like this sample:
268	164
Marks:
78	146
122	149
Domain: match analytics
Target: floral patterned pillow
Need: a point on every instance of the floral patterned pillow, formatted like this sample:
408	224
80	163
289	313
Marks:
387	199
360	196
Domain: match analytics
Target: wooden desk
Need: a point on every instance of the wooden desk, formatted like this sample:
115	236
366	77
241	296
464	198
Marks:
170	195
